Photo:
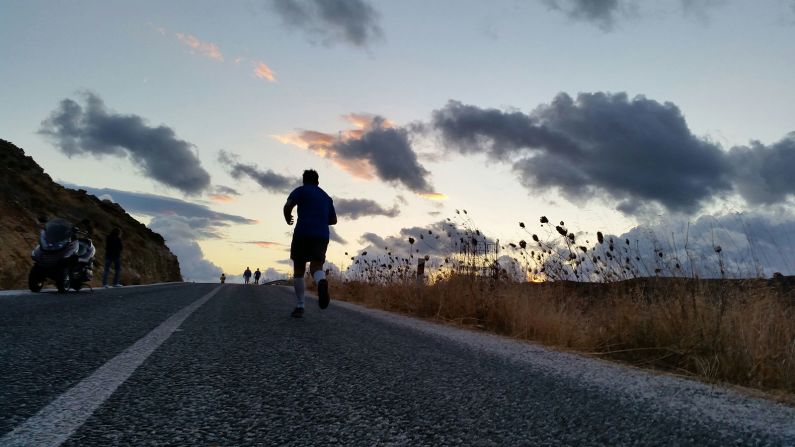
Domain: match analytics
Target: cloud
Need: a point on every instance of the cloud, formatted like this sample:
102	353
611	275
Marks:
374	148
335	237
752	244
442	242
601	13
353	22
92	129
763	174
182	224
207	49
629	151
223	194
268	179
262	71
605	14
271	274
373	240
197	216
226	190
264	244
181	236
356	208
442	238
700	8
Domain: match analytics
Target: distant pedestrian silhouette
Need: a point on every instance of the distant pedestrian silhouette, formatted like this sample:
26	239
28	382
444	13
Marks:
247	275
223	278
113	248
257	274
310	238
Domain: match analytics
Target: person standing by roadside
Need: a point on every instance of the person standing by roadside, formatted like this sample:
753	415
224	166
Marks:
113	248
257	275
247	275
310	238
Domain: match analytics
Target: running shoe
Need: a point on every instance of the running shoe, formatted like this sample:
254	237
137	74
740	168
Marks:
298	312
322	294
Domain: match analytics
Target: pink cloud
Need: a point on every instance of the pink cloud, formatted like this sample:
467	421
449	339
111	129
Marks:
207	49
262	71
221	198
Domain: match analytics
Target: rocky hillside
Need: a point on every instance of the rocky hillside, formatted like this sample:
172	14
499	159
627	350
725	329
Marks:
27	192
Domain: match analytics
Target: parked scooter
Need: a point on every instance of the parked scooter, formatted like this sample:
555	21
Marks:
64	254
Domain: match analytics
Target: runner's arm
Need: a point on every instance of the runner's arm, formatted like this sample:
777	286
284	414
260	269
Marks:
288	211
332	215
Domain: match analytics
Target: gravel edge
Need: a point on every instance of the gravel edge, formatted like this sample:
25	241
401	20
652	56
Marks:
677	395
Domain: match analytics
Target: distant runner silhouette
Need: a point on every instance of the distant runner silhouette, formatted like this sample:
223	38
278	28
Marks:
310	238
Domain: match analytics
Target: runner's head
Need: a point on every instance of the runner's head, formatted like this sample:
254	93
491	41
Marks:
311	177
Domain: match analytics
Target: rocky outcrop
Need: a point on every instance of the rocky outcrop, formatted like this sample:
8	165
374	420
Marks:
27	192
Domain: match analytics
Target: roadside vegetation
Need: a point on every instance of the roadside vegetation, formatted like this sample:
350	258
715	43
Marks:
667	309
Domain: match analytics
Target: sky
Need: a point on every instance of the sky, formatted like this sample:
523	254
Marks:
622	116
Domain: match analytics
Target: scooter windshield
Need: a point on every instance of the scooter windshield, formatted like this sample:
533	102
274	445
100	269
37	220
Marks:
57	233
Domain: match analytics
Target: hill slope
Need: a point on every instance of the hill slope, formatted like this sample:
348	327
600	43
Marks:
27	192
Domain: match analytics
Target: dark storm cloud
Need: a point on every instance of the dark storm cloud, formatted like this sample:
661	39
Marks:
763	174
95	130
633	151
600	12
353	22
198	216
374	149
268	179
389	152
356	208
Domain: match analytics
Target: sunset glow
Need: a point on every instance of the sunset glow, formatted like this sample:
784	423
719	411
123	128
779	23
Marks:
607	116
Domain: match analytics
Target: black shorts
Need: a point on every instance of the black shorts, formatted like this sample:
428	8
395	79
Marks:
308	249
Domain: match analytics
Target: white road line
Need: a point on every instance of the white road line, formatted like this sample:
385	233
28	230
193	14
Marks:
56	422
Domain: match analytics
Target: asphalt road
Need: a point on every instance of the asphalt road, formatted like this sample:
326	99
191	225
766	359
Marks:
203	364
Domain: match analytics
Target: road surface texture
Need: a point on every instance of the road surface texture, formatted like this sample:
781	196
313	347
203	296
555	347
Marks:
206	365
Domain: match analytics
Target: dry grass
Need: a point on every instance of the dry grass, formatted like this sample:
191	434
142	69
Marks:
736	331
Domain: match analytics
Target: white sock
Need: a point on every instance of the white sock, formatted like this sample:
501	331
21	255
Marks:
318	275
299	291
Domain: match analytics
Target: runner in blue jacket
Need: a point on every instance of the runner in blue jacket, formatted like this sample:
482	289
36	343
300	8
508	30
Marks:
310	238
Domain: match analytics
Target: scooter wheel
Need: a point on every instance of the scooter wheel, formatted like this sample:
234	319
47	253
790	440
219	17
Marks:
35	280
62	283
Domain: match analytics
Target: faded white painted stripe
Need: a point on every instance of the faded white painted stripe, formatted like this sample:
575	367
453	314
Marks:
56	422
